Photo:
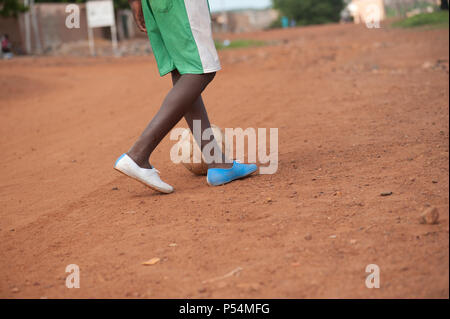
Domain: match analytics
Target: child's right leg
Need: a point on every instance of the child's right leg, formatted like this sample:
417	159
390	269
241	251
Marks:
221	171
198	113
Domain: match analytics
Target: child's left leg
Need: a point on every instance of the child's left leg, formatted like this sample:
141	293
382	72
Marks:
135	163
179	100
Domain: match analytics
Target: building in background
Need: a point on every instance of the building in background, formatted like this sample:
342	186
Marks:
50	32
360	10
364	11
11	27
243	20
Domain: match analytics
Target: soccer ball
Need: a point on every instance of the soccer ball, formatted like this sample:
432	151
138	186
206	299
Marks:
188	142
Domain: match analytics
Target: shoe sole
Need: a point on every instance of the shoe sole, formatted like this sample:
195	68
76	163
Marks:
155	188
244	176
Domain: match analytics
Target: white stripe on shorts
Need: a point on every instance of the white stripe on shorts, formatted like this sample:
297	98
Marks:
200	22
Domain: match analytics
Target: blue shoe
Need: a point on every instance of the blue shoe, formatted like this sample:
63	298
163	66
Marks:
220	176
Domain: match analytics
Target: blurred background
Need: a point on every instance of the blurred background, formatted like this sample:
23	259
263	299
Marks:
39	26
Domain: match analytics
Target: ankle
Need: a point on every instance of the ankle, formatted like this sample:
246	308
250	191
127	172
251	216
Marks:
220	165
139	160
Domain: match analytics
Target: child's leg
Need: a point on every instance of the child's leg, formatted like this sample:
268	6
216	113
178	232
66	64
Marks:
178	101
198	112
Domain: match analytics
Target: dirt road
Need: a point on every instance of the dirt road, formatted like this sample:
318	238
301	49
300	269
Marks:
360	112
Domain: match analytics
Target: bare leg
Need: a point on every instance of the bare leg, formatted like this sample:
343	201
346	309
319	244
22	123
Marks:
177	102
198	112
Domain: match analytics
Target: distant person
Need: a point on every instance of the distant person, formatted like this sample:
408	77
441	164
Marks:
6	47
181	38
285	22
444	4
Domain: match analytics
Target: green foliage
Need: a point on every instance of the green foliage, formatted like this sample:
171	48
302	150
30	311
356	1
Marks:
121	4
306	12
399	9
10	8
436	19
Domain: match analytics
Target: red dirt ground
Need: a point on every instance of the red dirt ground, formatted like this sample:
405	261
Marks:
359	112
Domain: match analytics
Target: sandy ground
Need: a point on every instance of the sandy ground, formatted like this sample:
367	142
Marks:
359	112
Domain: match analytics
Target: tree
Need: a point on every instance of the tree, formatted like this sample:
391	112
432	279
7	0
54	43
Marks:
306	12
10	8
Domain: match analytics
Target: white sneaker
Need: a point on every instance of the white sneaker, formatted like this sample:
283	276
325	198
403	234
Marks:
148	177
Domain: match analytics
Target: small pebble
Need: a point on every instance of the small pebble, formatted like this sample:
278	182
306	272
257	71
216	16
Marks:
151	262
308	237
384	194
429	216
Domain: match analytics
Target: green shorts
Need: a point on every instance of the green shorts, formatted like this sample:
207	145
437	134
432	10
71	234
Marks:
180	35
